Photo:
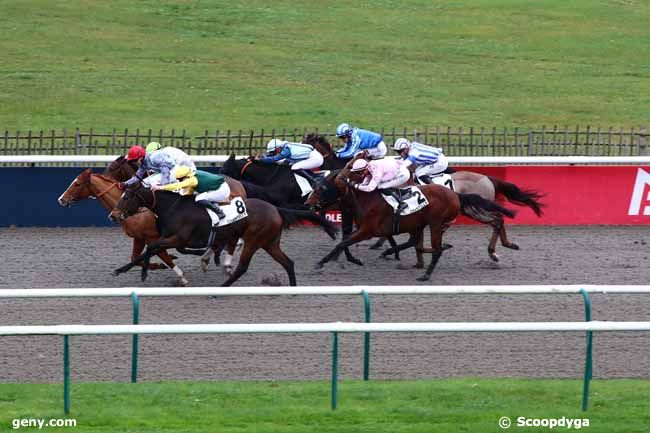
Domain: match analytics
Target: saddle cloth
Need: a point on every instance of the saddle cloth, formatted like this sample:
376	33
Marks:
304	185
443	179
413	198
234	211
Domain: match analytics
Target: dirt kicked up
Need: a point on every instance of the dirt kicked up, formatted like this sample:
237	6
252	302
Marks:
85	257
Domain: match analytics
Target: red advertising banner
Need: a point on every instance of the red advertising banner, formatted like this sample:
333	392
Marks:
577	195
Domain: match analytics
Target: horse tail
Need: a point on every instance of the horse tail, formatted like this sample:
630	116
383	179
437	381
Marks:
290	216
518	196
480	209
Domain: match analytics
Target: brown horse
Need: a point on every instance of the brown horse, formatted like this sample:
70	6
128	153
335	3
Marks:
465	182
141	226
185	224
375	217
122	170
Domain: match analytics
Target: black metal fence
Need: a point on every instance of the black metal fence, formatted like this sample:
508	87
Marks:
461	141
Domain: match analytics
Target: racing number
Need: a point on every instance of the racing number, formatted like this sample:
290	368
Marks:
421	199
240	207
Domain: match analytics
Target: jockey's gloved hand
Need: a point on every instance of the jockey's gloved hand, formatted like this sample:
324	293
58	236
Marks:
121	186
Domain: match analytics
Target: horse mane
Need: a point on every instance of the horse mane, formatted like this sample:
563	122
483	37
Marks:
104	177
120	169
314	138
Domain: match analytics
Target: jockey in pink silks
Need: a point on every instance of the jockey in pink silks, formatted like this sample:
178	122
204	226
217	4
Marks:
382	174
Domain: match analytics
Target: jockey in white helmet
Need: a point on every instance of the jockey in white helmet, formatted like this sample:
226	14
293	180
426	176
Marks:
300	156
358	140
428	161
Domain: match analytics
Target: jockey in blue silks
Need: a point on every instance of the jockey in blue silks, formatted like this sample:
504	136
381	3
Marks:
428	161
358	140
300	156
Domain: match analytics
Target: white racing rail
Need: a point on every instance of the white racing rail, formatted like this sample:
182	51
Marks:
367	328
541	160
342	327
318	290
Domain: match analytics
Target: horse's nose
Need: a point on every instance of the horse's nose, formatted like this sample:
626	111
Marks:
63	202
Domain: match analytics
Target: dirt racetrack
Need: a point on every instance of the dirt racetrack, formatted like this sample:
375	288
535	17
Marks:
84	257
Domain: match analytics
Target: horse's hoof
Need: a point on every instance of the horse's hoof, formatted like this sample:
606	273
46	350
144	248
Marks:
116	272
227	270
494	257
356	262
512	246
204	267
397	257
424	277
182	282
318	266
446	246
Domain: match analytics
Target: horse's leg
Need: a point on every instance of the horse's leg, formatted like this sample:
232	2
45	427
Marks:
347	228
436	250
419	250
397	248
227	260
357	236
279	256
169	262
244	260
380	243
151	250
504	239
492	246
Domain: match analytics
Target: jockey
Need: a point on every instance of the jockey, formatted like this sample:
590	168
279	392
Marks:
300	156
161	161
382	174
181	158
428	161
212	188
357	140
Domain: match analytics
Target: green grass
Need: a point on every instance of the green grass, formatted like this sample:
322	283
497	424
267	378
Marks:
458	405
283	64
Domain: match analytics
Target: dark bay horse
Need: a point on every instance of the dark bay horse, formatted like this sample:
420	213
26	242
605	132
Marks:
375	217
141	226
274	183
465	182
184	224
122	170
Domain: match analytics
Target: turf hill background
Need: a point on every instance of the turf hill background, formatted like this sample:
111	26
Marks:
257	64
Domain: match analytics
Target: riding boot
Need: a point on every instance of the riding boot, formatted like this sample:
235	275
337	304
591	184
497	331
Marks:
307	174
213	207
425	179
397	195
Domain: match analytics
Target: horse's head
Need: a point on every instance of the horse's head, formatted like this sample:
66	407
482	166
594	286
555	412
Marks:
324	195
135	197
121	169
79	189
232	167
320	143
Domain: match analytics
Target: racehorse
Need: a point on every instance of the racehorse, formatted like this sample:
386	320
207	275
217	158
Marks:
121	169
375	217
333	162
185	224
141	226
465	182
278	181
